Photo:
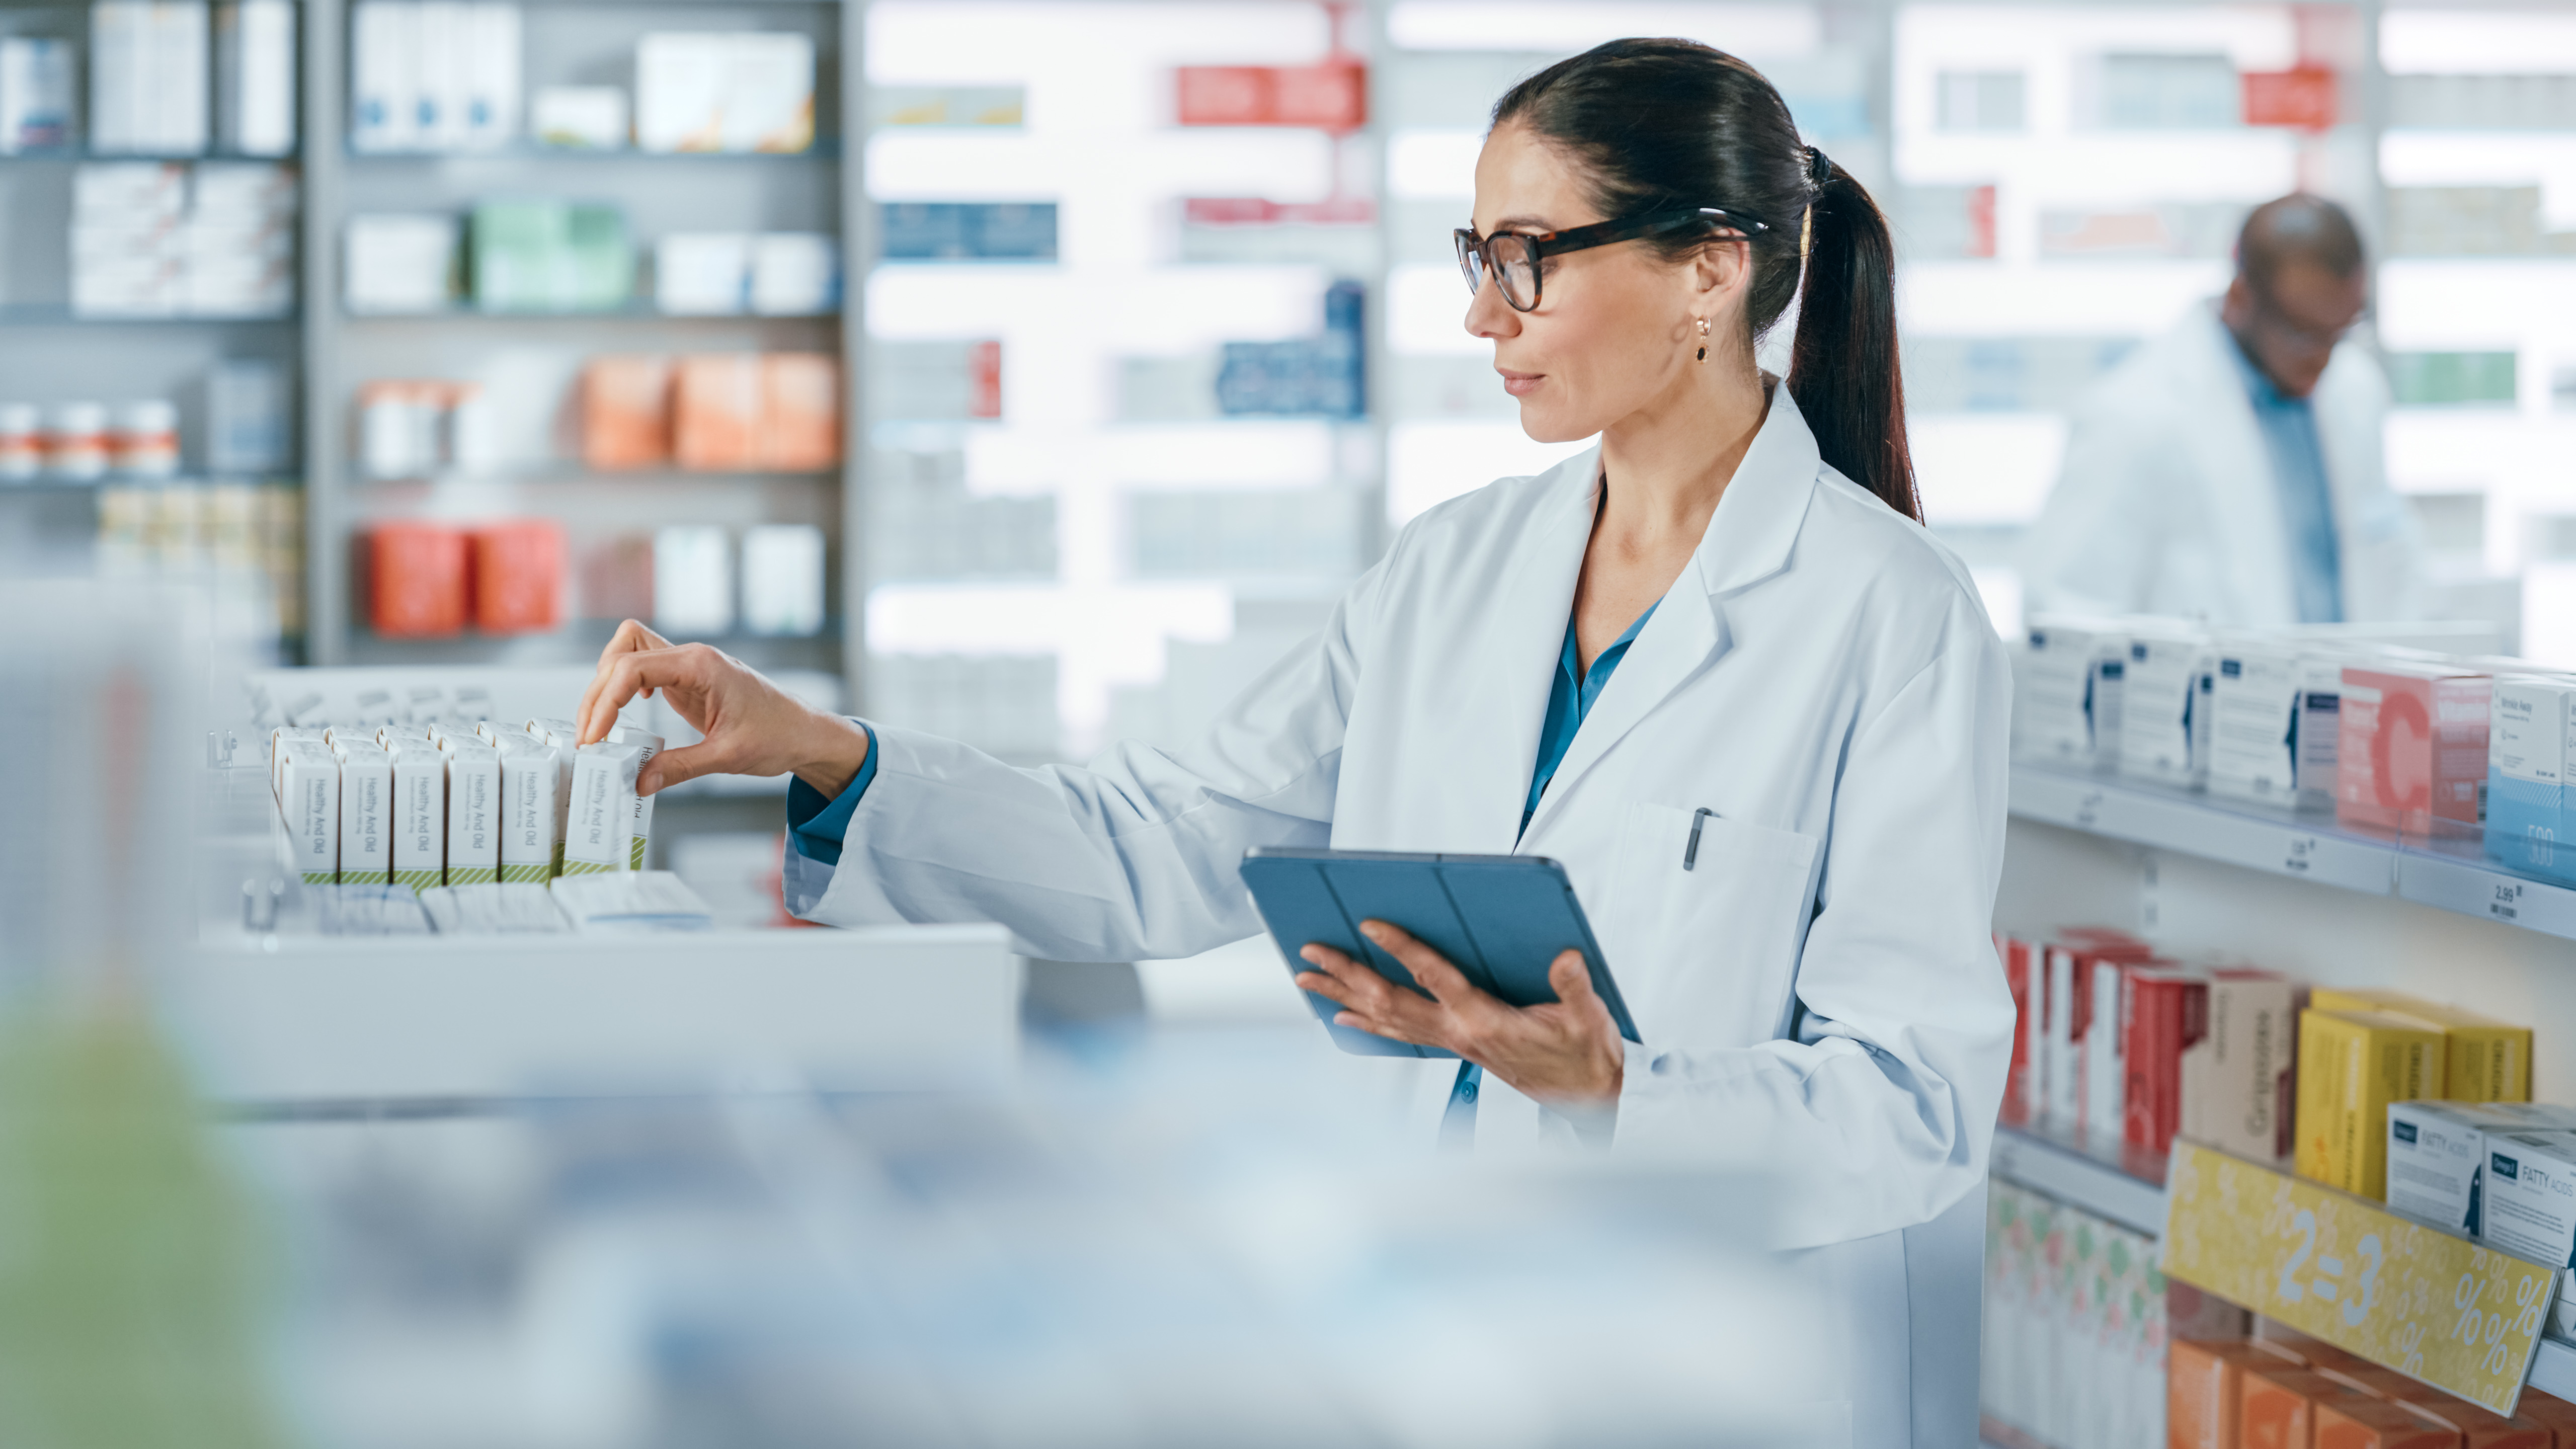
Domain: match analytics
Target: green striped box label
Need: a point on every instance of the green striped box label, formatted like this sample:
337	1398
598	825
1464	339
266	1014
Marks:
558	867
635	853
321	877
587	867
530	874
472	875
418	880
367	877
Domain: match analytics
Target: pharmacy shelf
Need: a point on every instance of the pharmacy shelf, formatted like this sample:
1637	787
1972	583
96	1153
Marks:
55	314
632	312
2128	1188
586	478
2310	845
821	150
2119	1183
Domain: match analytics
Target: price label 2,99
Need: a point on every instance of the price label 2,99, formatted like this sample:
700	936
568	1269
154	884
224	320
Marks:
2346	1270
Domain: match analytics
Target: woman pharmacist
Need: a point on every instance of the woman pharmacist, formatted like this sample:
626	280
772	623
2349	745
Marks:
1727	607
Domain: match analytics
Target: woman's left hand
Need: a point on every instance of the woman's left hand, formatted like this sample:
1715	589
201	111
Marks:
1566	1054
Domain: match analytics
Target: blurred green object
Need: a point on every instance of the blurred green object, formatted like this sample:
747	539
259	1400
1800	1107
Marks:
2450	379
130	1311
551	256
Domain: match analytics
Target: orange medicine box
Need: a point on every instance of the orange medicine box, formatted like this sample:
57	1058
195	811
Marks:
2480	1429
2367	1423
800	412
2277	1407
2552	1411
2203	1383
2407	751
626	413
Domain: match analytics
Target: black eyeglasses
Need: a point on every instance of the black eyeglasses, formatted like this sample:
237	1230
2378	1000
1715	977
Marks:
1514	256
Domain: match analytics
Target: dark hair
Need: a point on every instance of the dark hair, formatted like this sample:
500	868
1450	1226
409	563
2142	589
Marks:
1670	124
2296	228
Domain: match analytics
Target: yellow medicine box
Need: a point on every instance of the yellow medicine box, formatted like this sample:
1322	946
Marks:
2487	1060
2352	1064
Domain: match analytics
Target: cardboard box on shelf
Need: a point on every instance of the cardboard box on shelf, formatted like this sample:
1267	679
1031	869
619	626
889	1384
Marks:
2239	1081
782	579
626	412
2204	1387
716	407
2480	1428
255	77
2360	1421
2163	1014
2437	1160
401	263
800	411
518	576
2164	704
2527	824
709	91
2254	717
2411	746
692	581
35	94
416	580
2352	1064
2026	976
2485	1060
2278	1406
579	118
2530	1208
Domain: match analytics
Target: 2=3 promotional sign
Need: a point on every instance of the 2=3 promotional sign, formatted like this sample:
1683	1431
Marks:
2454	1314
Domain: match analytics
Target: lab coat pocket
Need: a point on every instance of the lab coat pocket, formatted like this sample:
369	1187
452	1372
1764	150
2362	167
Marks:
1706	952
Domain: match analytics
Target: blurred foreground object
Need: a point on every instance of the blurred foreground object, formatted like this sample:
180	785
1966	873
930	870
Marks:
1168	1243
129	1313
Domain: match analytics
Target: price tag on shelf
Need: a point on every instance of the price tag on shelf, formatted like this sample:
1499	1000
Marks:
2442	1309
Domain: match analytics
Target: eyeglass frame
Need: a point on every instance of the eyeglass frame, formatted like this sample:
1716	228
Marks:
1582	238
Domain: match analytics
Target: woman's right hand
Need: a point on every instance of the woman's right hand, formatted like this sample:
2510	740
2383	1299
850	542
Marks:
752	727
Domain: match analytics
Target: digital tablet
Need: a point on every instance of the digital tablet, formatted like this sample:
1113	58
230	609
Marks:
1500	919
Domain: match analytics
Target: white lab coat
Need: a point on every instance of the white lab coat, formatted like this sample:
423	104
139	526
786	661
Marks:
2166	502
1820	992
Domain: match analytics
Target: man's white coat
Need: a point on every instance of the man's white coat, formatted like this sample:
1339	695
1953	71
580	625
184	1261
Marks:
1819	995
2166	502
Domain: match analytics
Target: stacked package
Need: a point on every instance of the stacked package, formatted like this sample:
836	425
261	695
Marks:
419	805
2283	1388
152	240
2074	1326
436	77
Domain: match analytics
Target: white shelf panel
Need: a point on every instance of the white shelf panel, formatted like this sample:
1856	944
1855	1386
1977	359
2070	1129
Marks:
2309	846
2072	1174
2285	845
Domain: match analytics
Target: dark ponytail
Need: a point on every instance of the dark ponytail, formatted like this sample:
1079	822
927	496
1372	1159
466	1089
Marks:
1660	124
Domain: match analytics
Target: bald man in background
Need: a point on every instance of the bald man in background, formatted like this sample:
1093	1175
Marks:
2230	469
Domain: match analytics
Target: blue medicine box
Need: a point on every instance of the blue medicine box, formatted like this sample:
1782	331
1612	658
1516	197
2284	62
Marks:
2527	806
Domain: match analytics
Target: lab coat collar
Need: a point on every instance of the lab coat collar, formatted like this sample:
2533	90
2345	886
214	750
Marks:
1757	518
1748	540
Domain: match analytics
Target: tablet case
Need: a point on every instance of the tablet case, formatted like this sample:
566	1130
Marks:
1500	919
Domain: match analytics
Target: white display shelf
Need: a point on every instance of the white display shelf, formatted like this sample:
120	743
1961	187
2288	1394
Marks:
2553	1369
2309	845
2125	1186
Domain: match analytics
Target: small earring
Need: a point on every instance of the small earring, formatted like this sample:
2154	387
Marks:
1703	333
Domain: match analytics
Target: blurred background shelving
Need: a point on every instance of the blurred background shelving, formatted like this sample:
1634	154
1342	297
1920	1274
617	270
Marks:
1138	369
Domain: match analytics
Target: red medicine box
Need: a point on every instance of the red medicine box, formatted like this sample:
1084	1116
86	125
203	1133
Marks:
2163	1012
2411	746
416	580
518	576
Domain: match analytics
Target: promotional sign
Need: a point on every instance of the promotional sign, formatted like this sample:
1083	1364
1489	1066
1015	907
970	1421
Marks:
2441	1309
